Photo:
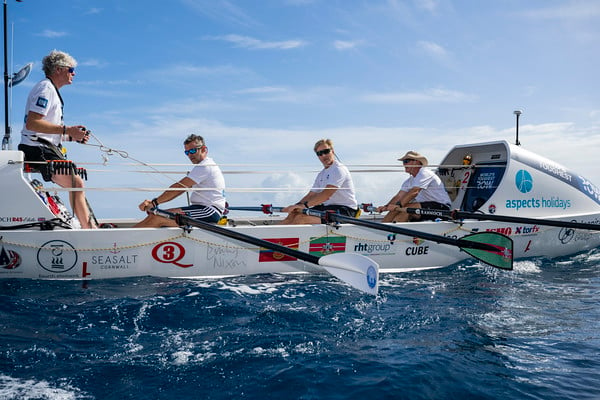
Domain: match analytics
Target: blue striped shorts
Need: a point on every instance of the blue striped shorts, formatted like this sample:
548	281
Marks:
203	213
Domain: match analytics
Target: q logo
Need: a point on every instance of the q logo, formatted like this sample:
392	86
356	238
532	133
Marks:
169	253
523	181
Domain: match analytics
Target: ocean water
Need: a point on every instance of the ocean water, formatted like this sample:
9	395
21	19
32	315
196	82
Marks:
466	331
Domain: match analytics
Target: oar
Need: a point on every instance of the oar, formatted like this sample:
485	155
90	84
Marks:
492	248
265	208
456	214
355	269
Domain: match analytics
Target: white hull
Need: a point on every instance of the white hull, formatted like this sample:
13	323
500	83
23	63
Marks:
174	252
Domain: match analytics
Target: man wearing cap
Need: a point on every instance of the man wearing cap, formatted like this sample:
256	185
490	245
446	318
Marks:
422	189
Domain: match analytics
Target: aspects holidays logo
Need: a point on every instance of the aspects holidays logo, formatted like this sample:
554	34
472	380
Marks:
524	181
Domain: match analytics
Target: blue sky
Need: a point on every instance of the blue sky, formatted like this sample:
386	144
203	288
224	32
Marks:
263	80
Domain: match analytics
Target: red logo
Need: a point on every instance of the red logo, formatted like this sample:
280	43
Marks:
267	255
9	259
170	253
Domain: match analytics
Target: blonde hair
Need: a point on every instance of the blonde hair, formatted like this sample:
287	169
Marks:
57	59
320	142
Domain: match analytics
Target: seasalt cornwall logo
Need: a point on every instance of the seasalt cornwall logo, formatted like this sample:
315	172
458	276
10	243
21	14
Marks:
9	259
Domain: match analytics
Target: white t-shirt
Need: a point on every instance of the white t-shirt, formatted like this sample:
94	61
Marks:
431	185
336	175
43	99
208	175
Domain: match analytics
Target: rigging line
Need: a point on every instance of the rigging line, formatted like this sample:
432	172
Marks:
156	189
124	154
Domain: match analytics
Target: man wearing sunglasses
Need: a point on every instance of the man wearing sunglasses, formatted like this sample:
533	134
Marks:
208	204
44	130
333	189
422	189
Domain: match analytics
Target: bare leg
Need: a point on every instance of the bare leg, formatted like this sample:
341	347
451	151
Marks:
77	198
156	221
399	214
297	218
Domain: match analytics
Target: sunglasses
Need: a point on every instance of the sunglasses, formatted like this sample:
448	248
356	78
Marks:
407	160
70	69
322	152
192	151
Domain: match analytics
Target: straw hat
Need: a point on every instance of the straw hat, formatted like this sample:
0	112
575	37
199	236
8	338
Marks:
413	155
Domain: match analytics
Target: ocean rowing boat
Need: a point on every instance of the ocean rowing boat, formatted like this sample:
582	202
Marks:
539	197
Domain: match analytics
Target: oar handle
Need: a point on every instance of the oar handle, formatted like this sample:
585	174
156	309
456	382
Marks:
264	208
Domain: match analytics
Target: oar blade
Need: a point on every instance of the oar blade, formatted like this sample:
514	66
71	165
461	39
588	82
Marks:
355	269
501	258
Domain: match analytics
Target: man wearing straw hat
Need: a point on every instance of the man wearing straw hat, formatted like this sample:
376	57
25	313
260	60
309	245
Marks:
422	189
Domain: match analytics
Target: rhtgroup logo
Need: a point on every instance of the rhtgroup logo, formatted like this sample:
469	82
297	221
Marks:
523	181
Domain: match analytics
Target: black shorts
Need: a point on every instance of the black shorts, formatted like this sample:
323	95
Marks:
433	205
342	210
41	153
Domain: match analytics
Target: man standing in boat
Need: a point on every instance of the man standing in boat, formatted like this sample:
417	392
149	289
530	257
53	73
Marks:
422	189
333	189
44	130
208	204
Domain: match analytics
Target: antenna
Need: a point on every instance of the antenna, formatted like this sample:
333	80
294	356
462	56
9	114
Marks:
518	114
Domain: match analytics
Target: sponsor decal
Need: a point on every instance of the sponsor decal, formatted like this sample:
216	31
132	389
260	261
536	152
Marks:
523	181
373	248
170	253
492	209
417	241
566	235
485	180
516	231
41	102
417	250
114	261
321	246
57	256
561	173
543	202
268	255
9	259
371	276
18	219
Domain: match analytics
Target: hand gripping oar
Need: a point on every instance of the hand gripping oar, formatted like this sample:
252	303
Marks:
355	269
456	214
492	248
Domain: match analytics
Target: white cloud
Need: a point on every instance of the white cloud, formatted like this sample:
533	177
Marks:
427	96
347	44
436	52
257	44
573	10
221	11
52	34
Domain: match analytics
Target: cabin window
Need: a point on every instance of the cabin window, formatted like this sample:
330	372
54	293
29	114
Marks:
482	185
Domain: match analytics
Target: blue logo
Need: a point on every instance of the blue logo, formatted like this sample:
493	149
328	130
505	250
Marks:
523	181
371	277
41	102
